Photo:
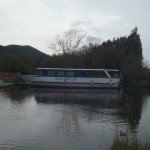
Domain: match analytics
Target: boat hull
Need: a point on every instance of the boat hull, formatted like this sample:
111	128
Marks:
71	82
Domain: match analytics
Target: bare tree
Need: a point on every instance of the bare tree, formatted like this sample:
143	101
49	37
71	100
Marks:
68	42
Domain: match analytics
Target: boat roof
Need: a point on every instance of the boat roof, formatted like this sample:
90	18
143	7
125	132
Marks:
76	69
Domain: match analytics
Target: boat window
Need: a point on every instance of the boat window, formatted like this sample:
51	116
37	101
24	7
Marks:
51	73
44	72
93	73
102	74
37	72
90	73
70	73
60	73
114	74
41	73
82	73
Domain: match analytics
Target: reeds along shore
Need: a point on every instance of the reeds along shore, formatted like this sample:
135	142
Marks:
124	141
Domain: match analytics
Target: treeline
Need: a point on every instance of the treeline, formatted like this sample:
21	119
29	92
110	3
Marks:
123	53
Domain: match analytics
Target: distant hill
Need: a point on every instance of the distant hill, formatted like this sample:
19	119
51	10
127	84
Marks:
24	59
24	50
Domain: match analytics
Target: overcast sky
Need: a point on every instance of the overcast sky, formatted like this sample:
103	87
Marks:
37	22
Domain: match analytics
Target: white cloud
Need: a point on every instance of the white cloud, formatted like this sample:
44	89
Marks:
92	39
102	26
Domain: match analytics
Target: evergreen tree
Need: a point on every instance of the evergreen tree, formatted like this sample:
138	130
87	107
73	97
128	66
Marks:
134	45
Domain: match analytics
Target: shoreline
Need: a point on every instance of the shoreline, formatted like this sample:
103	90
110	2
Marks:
3	84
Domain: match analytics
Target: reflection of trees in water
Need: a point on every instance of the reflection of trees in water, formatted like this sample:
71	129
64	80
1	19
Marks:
15	93
104	103
105	106
91	104
78	105
131	108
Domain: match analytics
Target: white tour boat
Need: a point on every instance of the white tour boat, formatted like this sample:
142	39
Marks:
80	78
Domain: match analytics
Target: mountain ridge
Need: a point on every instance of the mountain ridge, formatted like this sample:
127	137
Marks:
23	48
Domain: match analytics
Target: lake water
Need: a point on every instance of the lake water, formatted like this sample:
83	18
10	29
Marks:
56	119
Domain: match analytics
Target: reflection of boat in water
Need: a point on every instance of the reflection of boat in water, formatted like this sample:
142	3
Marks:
79	78
46	95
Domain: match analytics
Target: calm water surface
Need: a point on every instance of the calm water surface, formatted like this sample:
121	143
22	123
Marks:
56	119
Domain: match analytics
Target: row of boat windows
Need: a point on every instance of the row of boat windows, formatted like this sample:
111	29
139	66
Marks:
76	73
